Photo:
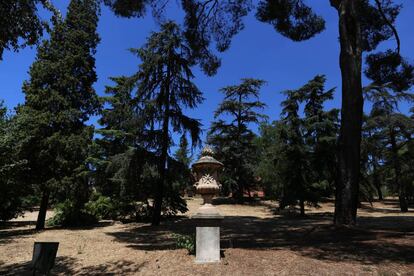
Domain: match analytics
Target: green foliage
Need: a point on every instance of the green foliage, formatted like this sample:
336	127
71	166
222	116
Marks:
12	188
186	242
297	20
144	108
292	18
173	203
164	89
363	25
53	136
20	23
101	207
183	156
48	148
297	155
387	138
232	139
67	214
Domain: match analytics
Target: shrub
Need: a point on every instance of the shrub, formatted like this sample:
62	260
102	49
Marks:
186	242
101	207
66	214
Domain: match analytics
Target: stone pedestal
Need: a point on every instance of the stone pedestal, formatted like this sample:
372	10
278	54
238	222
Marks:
207	219
207	238
207	245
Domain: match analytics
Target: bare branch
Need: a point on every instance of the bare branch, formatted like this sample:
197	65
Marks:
394	30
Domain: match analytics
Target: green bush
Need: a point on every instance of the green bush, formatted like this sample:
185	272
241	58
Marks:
101	207
66	214
186	242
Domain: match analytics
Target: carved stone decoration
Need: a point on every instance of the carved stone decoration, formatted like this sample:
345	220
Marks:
207	219
206	172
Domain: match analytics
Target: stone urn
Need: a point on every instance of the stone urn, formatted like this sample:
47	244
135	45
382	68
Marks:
206	172
207	218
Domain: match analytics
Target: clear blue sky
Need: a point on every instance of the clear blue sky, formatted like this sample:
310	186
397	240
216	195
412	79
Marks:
257	52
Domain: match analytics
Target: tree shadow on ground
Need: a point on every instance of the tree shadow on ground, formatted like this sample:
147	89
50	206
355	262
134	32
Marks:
69	266
62	264
16	224
8	235
374	240
252	201
391	208
11	230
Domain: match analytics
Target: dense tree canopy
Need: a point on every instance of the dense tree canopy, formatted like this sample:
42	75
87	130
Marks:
297	154
135	165
20	24
59	101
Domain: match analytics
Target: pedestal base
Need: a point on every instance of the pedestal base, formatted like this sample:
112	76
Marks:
207	244
207	221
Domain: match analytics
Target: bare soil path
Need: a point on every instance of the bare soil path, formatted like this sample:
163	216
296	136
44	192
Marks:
256	240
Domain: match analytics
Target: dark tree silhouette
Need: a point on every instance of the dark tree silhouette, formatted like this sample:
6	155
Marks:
20	23
362	26
165	87
234	139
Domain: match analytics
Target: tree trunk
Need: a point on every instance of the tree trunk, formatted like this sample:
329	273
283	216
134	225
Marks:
302	207
159	193
397	171
41	217
240	183
376	179
347	185
378	187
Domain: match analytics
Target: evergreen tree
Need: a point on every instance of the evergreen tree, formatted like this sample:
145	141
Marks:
297	157
321	129
396	131
294	173
268	147
165	87
183	156
124	170
59	101
372	156
183	153
362	26
20	23
12	189
233	140
392	77
118	138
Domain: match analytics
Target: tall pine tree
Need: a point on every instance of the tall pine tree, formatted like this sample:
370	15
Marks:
165	87
321	130
392	78
12	170
297	156
233	139
59	101
183	156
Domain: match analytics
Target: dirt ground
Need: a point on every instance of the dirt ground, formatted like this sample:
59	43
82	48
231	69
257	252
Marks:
256	240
